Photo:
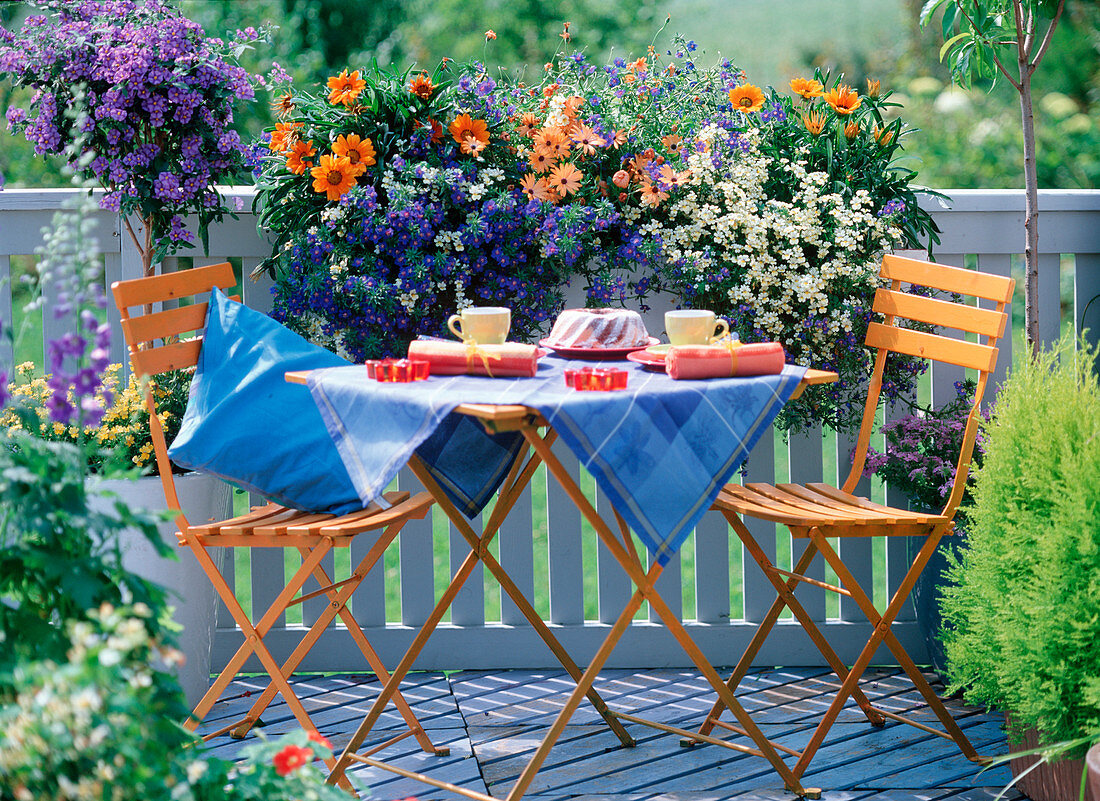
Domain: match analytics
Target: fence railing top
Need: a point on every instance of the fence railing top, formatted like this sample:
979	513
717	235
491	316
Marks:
1011	200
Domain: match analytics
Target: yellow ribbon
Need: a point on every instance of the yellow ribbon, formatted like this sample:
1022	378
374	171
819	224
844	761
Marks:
475	350
731	345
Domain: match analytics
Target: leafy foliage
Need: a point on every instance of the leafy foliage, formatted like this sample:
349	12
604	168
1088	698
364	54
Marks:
60	550
1023	609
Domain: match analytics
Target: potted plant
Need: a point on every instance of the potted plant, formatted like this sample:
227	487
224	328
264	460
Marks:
1023	604
920	457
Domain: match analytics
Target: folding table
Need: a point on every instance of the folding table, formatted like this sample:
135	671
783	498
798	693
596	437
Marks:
534	425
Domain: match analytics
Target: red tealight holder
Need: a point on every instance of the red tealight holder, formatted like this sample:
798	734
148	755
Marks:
400	371
602	379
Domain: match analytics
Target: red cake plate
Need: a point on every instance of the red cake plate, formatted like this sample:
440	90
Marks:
598	354
648	360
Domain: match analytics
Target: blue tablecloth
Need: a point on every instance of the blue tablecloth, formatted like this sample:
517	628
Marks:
660	450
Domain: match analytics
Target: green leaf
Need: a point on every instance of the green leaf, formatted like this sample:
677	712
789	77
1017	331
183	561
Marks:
947	24
929	9
947	45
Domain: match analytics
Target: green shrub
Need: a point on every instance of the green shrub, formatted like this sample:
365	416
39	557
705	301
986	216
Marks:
1023	608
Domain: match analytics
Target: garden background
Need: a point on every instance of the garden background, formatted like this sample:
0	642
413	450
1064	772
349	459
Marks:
968	139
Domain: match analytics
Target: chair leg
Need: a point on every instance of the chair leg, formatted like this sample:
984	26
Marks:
253	643
883	634
338	600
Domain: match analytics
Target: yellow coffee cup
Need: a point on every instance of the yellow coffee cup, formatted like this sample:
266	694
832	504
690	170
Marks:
485	325
694	327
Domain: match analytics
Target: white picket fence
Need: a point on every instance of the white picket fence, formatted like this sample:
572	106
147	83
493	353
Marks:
717	589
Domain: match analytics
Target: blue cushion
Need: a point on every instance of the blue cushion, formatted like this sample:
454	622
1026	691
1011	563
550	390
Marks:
247	425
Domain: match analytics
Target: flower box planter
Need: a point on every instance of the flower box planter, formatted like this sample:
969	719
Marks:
202	497
1054	781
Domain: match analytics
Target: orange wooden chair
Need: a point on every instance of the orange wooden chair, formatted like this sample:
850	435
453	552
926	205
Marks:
155	345
817	511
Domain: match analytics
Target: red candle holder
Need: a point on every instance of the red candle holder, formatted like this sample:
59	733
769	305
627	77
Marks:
400	371
599	379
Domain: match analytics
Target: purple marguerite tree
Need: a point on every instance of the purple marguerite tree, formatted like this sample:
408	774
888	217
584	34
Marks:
154	101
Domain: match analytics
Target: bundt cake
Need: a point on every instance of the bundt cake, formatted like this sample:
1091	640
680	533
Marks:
598	328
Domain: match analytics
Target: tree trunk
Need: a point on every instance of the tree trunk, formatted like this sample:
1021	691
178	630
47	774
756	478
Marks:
1031	213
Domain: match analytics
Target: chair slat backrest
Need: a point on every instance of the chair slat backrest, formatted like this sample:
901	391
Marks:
153	340
898	307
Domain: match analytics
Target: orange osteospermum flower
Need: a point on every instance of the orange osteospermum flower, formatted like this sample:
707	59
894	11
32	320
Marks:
807	87
422	86
360	152
528	184
528	124
334	176
345	88
671	142
813	122
565	179
673	178
747	98
284	136
554	141
588	140
472	146
640	65
571	105
619	139
652	194
464	126
540	160
843	99
297	160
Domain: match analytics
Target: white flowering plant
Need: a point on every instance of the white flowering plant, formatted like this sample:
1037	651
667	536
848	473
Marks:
102	724
786	216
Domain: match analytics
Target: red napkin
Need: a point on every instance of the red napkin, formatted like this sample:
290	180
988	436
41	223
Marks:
456	358
717	361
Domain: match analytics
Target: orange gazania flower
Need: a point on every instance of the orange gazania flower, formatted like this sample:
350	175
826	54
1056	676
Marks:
873	88
360	152
851	131
284	104
284	136
652	194
297	160
813	122
565	179
843	99
490	34
882	136
464	127
422	86
334	176
528	124
747	98
433	128
807	87
345	88
588	140
291	758
640	65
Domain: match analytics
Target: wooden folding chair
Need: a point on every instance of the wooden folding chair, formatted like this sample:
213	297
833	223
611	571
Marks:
818	511
155	346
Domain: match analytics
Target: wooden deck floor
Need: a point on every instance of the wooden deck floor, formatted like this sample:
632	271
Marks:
493	721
